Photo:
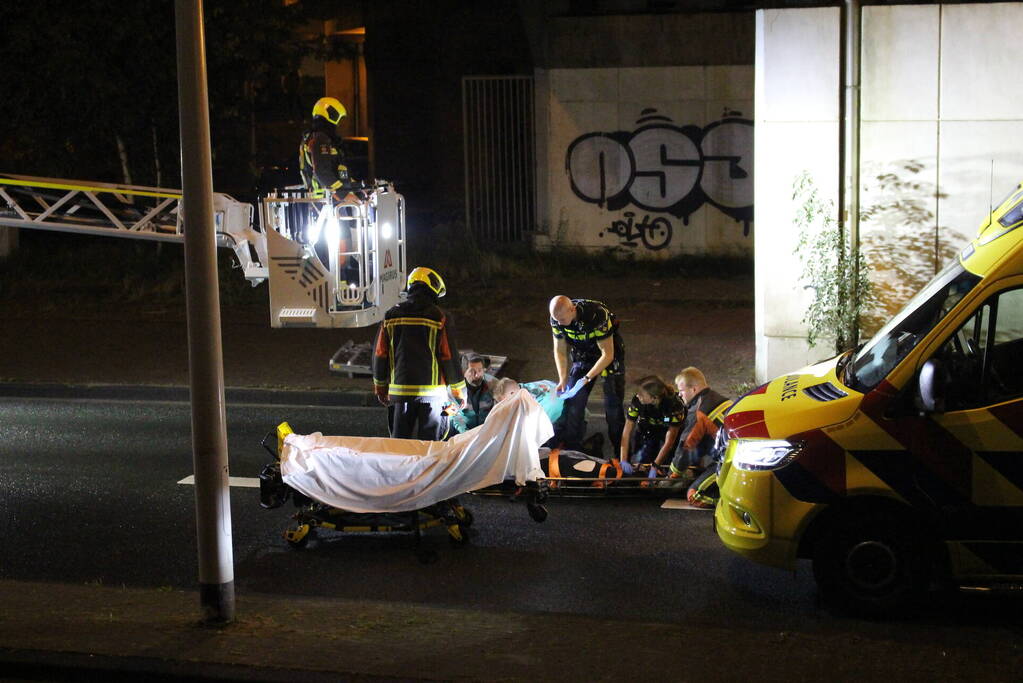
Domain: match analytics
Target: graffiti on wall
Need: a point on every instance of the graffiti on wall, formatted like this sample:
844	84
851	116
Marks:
663	168
654	234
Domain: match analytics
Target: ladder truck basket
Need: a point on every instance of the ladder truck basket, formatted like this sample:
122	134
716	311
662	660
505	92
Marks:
334	264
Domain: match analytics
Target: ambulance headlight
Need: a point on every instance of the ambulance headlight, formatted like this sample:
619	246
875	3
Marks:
764	454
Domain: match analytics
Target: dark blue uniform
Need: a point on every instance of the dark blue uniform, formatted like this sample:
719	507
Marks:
593	322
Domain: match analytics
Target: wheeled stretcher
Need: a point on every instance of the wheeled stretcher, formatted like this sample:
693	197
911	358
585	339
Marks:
575	474
369	484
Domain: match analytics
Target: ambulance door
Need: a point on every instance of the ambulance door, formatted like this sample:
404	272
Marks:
977	440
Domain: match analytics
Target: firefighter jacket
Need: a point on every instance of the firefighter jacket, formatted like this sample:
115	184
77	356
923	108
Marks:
321	160
593	322
657	418
414	356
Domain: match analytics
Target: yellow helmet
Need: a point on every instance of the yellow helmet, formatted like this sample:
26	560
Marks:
330	108
429	277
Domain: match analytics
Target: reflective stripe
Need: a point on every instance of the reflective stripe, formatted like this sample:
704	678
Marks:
394	322
434	365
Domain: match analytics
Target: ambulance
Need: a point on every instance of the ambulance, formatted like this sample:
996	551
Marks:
897	464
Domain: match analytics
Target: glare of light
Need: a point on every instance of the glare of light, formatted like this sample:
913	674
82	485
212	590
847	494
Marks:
332	232
317	227
386	230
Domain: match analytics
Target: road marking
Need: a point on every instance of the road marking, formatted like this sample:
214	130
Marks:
681	504
241	482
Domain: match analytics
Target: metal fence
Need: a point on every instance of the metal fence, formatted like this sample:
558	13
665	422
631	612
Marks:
500	185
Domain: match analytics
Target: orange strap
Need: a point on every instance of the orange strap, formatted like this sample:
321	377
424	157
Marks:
552	463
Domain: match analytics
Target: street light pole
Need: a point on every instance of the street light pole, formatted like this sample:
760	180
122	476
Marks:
205	355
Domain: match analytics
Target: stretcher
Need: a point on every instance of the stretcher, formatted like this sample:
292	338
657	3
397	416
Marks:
574	474
371	485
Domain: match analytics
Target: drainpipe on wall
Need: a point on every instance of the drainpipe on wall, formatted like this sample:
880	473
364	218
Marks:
849	142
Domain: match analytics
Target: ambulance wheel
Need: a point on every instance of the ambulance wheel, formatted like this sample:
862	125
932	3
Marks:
537	512
869	566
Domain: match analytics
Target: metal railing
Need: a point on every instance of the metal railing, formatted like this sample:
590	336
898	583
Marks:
498	135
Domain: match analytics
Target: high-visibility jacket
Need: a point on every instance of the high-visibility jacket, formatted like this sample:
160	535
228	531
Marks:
414	356
656	419
593	322
322	161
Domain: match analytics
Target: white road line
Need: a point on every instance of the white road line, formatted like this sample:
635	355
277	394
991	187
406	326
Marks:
680	504
241	482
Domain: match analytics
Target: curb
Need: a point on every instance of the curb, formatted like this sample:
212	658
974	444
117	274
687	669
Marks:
118	392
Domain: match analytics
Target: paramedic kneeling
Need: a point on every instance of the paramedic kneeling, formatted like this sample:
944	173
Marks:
652	424
587	345
414	365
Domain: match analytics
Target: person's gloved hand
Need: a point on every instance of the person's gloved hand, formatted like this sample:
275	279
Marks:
653	473
627	467
569	393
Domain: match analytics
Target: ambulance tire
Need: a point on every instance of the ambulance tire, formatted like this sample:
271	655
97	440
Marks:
869	565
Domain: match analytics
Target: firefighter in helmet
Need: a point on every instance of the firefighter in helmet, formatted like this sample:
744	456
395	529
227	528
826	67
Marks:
325	171
415	361
321	156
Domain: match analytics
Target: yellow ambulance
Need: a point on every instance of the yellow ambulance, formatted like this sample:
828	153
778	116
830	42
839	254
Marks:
900	462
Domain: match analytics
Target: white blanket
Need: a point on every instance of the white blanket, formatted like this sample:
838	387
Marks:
372	474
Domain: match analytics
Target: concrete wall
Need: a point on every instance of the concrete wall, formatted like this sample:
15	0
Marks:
942	133
8	242
652	161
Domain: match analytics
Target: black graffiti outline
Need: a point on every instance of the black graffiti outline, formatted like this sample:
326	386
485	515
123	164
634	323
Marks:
623	143
628	231
695	198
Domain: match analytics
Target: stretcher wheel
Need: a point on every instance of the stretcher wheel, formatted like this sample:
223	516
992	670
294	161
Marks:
458	535
465	517
298	537
537	512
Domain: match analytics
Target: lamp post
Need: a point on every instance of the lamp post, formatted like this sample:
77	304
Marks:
205	355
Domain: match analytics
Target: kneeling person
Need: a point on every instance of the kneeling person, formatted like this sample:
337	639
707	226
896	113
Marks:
652	423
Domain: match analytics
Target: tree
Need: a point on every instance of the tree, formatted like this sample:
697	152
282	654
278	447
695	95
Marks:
89	89
842	289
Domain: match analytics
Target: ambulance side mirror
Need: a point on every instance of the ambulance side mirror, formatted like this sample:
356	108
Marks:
933	385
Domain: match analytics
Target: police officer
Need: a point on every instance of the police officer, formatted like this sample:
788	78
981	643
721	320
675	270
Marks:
587	346
652	423
415	361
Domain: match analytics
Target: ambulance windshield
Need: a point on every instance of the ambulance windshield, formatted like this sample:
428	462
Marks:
887	348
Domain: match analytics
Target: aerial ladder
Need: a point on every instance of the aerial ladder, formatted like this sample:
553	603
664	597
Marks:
328	264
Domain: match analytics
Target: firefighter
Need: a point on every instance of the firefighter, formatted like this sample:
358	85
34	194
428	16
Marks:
652	424
321	156
325	171
415	362
587	345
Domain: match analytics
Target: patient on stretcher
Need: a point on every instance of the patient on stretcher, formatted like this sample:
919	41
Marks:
542	392
372	474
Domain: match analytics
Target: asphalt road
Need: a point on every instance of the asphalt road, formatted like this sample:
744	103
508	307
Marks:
89	493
